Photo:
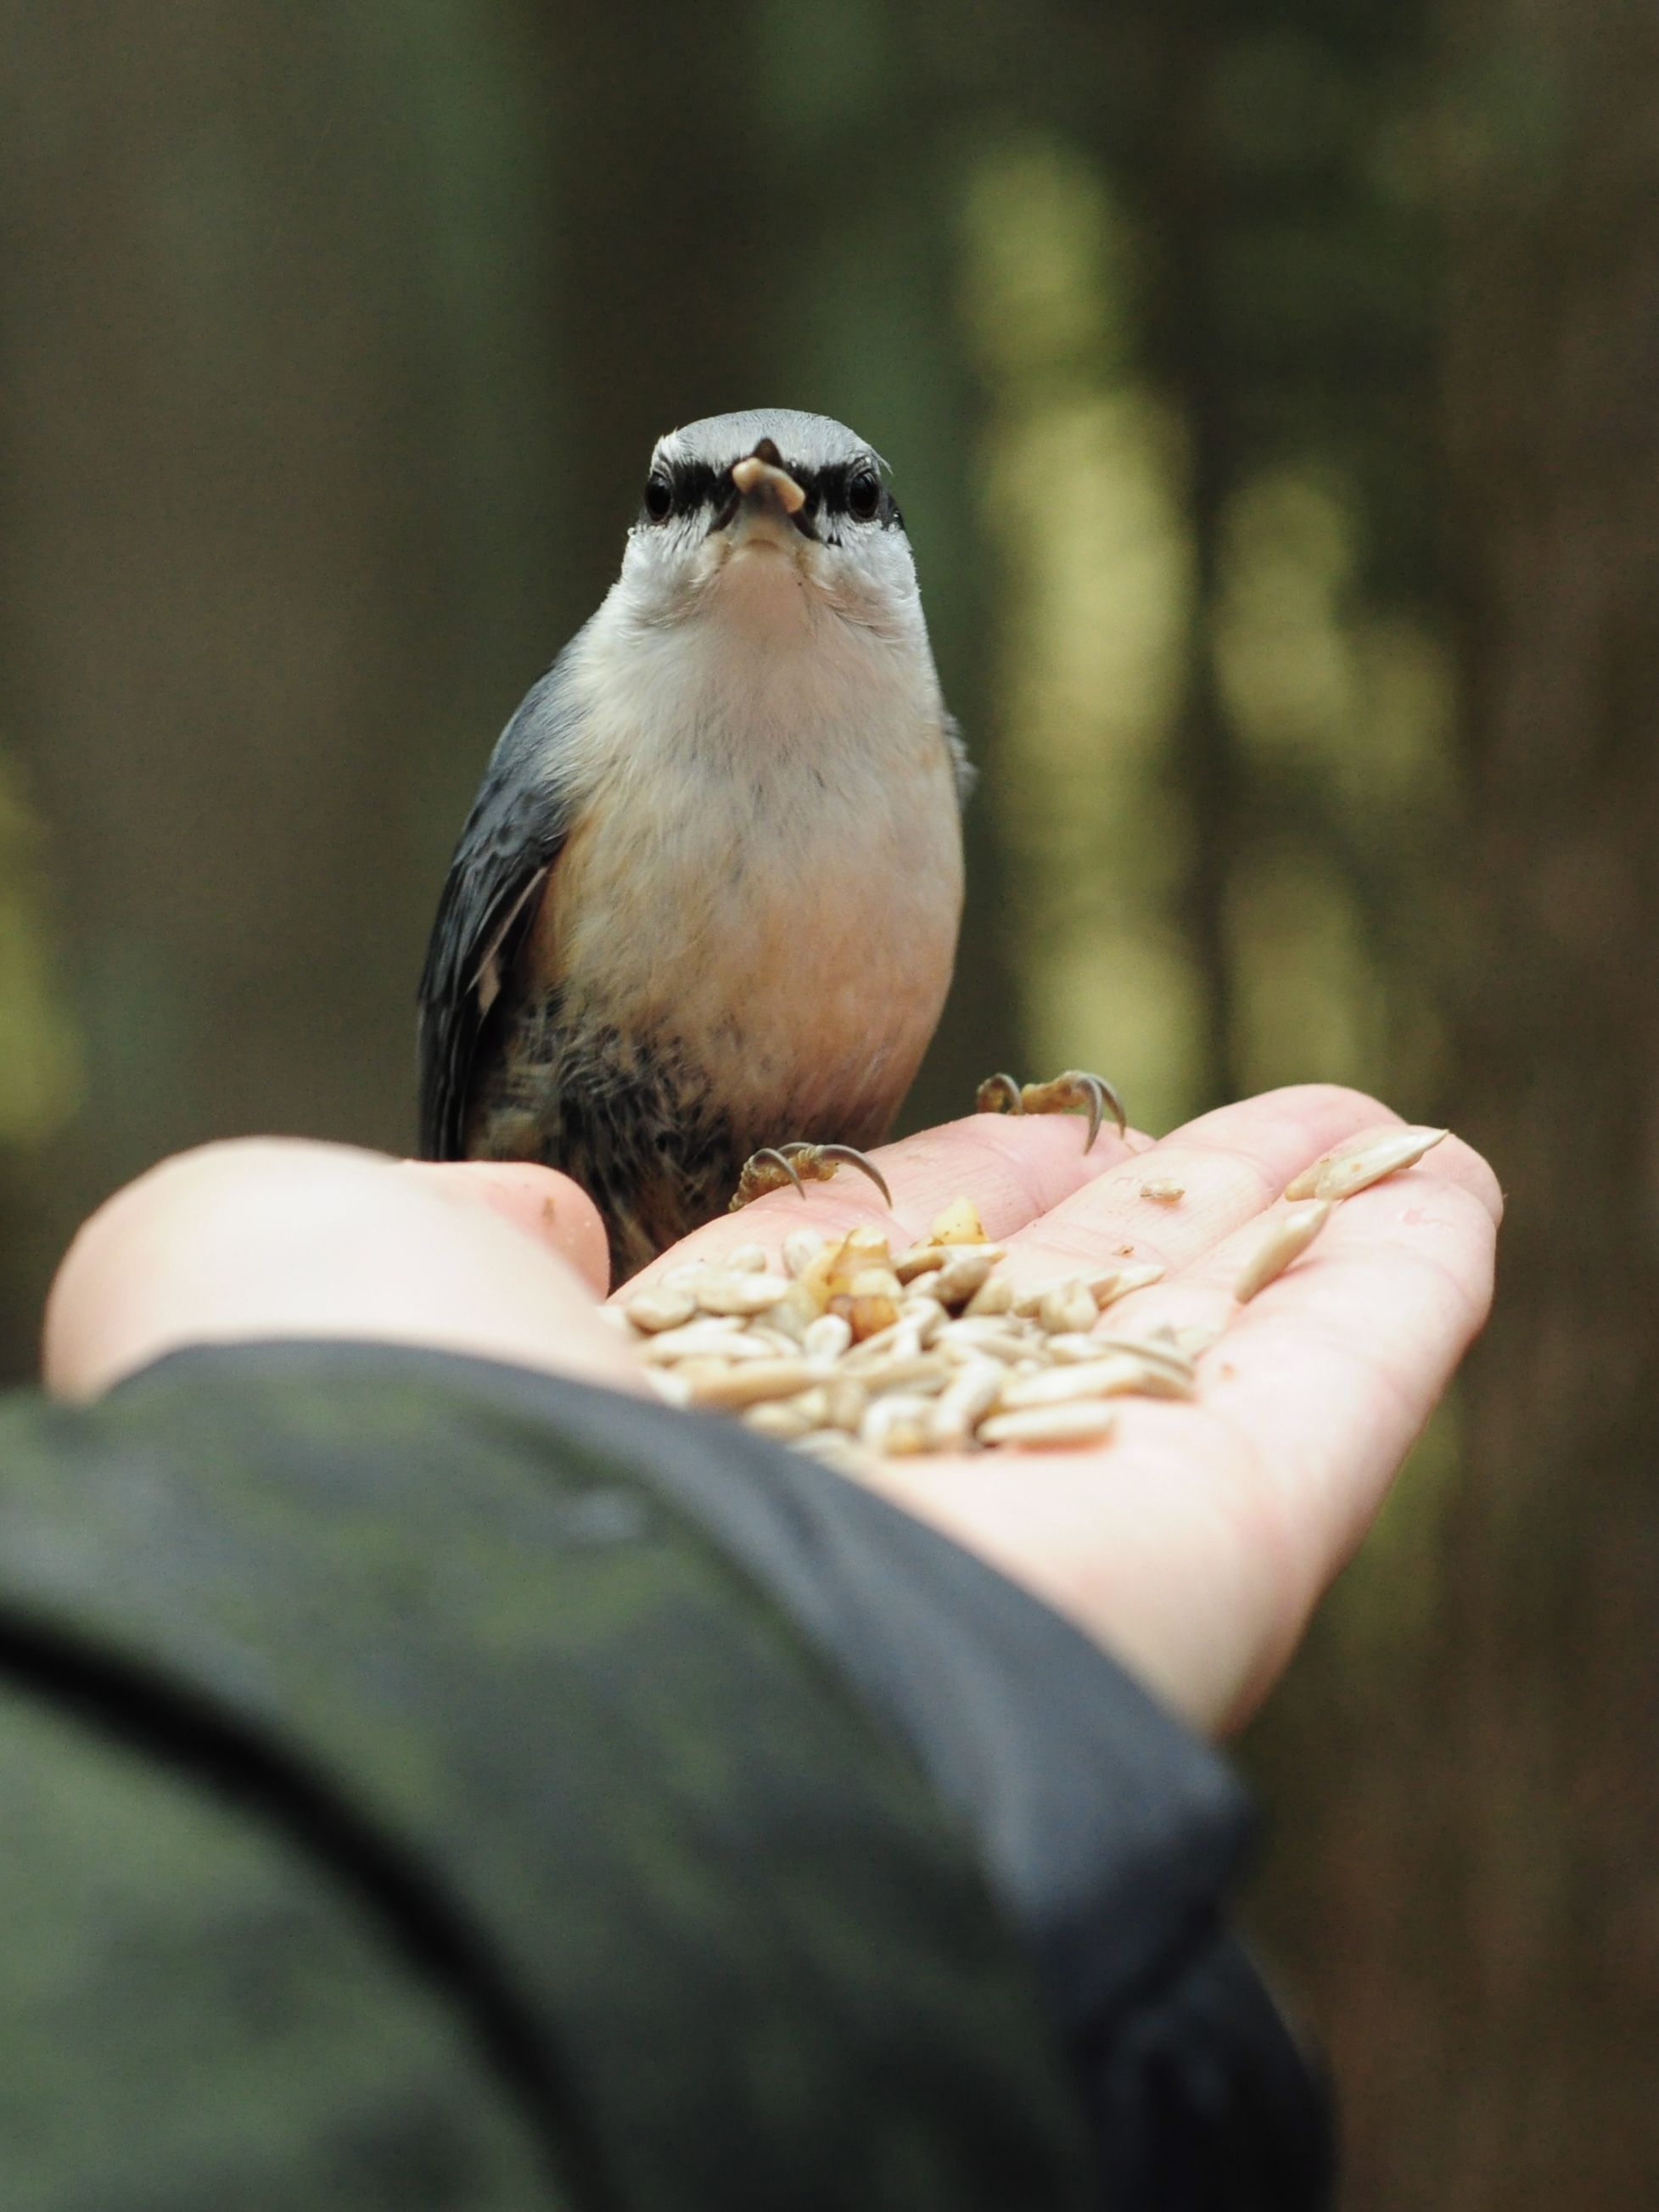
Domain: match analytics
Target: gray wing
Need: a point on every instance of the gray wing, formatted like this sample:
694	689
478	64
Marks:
519	822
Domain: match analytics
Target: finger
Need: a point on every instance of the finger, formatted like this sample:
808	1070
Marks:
1276	1127
1014	1169
1241	1509
544	1203
1196	1541
1331	1371
1203	1183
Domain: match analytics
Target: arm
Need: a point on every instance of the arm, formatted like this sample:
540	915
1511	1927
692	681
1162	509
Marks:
1111	1838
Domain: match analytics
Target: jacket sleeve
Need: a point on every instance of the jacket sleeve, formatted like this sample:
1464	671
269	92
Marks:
1111	1835
452	1786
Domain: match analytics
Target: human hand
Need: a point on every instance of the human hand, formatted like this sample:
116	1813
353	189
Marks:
1196	1541
1193	1544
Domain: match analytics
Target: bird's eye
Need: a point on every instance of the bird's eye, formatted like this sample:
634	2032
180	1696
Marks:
864	496
659	496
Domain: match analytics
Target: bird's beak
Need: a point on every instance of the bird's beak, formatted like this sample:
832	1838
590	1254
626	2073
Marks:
756	475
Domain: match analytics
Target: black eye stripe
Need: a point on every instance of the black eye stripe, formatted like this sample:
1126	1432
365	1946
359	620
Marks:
841	489
697	485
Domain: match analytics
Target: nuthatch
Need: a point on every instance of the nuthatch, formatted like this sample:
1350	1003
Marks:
704	911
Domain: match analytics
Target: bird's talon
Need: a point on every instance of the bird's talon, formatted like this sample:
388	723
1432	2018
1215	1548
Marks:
835	1154
799	1163
765	1170
1000	1094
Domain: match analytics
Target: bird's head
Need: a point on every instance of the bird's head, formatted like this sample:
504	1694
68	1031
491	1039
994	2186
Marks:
757	515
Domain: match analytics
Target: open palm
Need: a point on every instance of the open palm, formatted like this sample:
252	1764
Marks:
1195	1541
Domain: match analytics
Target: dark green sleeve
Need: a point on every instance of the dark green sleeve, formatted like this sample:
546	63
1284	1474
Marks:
406	1804
195	2017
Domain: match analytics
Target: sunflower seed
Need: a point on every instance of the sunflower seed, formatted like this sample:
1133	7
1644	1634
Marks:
931	1351
1069	1307
777	1340
1152	1351
707	1335
966	1271
666	1385
1117	1282
1072	1345
663	1308
1195	1338
988	1339
778	1417
733	1388
1085	1422
828	1337
964	1401
866	1316
845	1399
791	1317
959	1224
1355	1167
875	1347
919	1371
925	1315
1288	1238
720	1292
1060	1385
1157	1382
836	1450
897	1425
801	1248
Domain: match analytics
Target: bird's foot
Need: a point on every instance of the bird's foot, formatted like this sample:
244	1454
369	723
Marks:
775	1167
1000	1094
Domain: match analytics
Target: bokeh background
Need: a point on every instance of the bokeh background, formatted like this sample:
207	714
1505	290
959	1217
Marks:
1272	387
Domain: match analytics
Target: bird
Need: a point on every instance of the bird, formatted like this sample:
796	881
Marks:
701	921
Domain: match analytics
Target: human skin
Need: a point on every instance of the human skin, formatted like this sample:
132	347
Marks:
1193	1544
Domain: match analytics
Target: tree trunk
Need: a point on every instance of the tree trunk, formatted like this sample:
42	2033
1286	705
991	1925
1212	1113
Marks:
267	418
1554	410
1477	1907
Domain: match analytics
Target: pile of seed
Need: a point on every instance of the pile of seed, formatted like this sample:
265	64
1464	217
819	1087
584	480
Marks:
854	1347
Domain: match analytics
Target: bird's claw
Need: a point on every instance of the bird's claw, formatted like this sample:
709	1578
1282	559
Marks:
775	1166
1000	1094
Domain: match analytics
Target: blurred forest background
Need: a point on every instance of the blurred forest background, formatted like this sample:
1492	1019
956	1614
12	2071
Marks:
1272	387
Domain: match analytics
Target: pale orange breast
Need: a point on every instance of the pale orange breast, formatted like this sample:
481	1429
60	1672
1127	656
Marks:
800	957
